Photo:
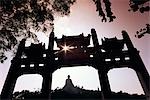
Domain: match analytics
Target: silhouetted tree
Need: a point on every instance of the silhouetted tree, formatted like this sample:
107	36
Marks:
21	18
83	95
135	6
141	6
109	13
143	31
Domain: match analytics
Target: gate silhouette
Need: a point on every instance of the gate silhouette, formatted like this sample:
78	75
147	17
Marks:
75	51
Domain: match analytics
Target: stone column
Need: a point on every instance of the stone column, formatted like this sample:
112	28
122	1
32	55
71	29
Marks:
13	73
46	86
48	70
9	84
104	83
99	64
138	65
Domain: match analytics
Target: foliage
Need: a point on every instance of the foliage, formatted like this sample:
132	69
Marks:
139	5
108	11
143	31
83	95
21	18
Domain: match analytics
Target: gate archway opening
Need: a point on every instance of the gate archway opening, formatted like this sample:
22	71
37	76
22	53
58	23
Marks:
119	77
83	76
24	83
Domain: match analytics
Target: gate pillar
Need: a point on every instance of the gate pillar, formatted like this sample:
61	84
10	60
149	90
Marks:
138	65
9	84
13	73
46	86
48	70
99	64
104	83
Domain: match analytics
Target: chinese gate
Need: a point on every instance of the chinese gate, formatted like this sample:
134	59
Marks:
75	51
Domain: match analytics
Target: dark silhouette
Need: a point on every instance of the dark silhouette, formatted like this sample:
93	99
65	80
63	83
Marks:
59	94
138	5
143	31
19	17
109	13
74	51
70	88
141	6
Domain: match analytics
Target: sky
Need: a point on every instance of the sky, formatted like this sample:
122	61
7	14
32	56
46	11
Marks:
82	18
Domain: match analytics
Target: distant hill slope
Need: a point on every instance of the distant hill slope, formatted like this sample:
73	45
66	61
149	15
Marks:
60	94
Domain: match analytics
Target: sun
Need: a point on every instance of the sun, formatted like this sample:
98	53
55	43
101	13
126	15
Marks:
65	48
